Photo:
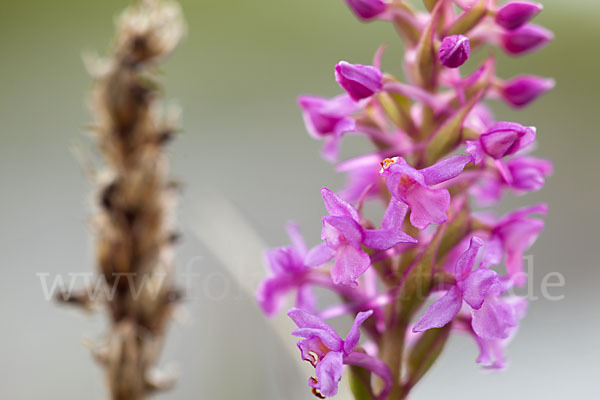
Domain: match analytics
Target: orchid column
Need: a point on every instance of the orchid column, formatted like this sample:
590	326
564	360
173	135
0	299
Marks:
437	154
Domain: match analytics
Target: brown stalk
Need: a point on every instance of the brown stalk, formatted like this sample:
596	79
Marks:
135	198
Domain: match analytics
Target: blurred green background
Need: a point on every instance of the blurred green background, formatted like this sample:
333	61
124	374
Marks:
244	150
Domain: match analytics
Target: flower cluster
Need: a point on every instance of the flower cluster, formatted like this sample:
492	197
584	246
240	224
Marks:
438	157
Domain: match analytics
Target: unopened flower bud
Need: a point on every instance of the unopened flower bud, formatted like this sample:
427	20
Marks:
367	9
522	90
506	138
526	39
528	173
360	81
454	51
517	13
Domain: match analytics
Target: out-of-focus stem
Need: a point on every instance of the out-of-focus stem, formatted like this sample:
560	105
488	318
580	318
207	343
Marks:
392	350
135	197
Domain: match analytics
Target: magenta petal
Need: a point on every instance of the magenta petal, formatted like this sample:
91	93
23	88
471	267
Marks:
485	356
445	170
305	320
330	341
514	267
331	148
473	148
350	263
492	255
329	372
441	311
488	190
271	292
427	206
296	238
384	239
394	215
337	206
316	118
310	326
361	172
517	236
374	365
306	299
476	285
529	173
494	319
339	230
284	260
354	334
319	255
312	350
467	259
359	81
491	353
324	116
523	212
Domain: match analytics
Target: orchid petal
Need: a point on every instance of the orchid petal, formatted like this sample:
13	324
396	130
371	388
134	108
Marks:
324	116
441	311
319	255
475	287
473	148
310	326
494	319
293	231
354	334
492	255
329	372
427	206
339	230
331	148
467	259
336	206
312	350
374	365
384	239
350	263
445	170
284	260
306	299
271	292
394	215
